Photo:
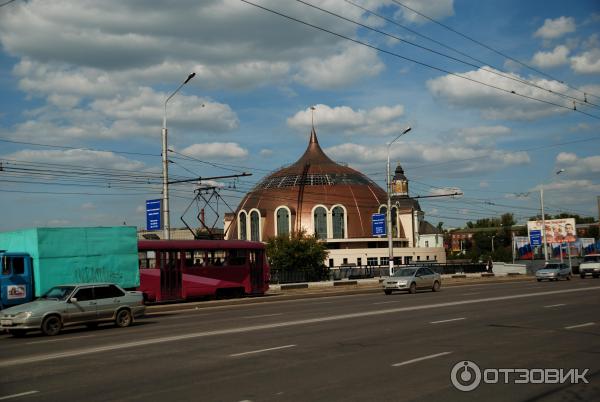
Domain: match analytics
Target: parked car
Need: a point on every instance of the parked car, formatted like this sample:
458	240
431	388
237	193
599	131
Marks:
66	305
590	266
553	271
412	279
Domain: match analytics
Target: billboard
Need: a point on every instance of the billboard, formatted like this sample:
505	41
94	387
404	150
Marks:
557	230
378	224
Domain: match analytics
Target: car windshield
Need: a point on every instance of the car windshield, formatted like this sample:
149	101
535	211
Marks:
552	266
591	258
405	272
58	293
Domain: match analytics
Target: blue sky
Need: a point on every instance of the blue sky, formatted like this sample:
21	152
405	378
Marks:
84	82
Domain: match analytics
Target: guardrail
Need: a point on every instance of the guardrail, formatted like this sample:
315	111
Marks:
364	272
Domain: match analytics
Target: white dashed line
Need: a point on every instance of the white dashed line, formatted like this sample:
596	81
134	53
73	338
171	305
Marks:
451	319
253	352
587	324
261	316
2	398
555	305
418	359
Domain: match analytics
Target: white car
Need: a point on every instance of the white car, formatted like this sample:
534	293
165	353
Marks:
590	266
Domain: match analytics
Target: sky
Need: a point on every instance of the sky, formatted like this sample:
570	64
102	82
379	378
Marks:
500	96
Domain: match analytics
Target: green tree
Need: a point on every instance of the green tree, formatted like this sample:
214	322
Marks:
298	252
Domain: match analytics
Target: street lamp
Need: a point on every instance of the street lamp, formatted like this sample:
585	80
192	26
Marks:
493	243
165	165
544	219
389	203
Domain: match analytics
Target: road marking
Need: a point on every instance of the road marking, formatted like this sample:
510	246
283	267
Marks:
555	305
386	302
587	324
471	294
261	316
418	359
253	352
309	321
59	339
2	398
451	319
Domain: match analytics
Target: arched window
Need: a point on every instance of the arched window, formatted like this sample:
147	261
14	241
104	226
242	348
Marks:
320	222
283	221
338	222
242	226
383	209
254	226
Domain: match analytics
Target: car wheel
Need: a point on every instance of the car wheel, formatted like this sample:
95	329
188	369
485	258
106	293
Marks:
413	288
387	292
596	276
17	333
582	276
569	277
51	325
123	318
436	286
539	280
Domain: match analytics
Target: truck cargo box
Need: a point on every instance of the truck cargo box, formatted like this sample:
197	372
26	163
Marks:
77	255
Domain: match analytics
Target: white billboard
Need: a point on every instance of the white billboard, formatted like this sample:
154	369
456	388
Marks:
557	230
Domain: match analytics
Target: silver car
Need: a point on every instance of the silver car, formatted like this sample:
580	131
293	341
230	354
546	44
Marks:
412	279
553	271
65	305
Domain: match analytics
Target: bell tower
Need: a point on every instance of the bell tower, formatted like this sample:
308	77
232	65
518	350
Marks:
399	183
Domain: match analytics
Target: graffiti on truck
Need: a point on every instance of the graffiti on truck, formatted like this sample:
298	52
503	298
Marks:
96	274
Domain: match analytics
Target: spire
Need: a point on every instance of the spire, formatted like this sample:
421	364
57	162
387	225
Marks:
313	137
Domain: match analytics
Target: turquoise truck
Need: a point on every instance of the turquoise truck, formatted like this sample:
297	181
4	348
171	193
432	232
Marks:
34	260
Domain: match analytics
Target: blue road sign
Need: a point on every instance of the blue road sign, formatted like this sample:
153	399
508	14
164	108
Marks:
153	214
535	237
378	221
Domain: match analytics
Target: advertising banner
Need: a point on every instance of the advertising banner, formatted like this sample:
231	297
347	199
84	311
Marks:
557	230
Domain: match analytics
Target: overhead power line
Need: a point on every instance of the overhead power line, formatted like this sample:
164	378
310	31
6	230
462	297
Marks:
416	61
482	64
489	47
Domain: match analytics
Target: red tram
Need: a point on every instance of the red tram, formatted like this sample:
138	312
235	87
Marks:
188	269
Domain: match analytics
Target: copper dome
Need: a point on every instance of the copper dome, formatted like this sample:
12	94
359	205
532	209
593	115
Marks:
312	181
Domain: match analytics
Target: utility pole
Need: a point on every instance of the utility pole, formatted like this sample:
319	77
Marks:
543	225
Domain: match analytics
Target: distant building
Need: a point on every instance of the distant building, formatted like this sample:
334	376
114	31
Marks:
336	203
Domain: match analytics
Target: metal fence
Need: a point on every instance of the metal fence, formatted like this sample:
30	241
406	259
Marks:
365	272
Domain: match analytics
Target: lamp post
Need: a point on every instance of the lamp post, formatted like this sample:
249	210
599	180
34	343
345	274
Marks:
493	243
544	219
165	165
389	203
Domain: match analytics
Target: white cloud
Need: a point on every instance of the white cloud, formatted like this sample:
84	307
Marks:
484	184
496	104
215	150
483	134
587	62
556	28
556	57
352	64
266	153
462	160
381	120
445	190
436	9
78	157
88	206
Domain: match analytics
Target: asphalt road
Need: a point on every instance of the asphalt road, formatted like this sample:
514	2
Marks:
359	347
